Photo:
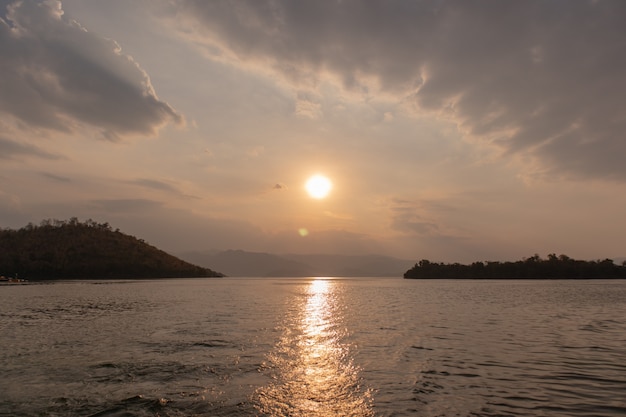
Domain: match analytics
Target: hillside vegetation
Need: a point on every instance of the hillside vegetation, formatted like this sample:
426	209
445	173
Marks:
555	267
86	250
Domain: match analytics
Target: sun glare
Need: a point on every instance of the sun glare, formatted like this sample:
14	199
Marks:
318	186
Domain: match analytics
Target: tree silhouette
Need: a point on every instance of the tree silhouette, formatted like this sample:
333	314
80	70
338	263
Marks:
58	249
534	267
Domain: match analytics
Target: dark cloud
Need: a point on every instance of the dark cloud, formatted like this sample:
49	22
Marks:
56	75
10	149
538	78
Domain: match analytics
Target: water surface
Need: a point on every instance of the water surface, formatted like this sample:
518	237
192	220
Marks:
313	347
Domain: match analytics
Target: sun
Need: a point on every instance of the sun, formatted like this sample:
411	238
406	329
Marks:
318	186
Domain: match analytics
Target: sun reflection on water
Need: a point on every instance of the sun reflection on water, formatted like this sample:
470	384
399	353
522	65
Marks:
313	370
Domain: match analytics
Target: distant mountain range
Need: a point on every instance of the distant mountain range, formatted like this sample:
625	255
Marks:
239	263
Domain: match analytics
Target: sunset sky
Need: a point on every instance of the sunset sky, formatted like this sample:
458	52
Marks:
450	130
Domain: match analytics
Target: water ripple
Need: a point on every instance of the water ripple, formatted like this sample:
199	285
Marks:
307	347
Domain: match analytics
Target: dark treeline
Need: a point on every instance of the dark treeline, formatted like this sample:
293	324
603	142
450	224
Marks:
555	267
58	249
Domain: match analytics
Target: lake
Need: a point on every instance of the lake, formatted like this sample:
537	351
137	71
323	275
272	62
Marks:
313	347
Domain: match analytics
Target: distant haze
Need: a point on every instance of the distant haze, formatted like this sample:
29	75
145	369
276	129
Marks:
237	263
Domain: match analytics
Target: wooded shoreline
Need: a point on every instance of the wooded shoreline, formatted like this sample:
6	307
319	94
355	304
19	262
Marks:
554	267
57	249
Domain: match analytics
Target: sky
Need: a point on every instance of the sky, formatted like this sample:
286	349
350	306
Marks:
453	131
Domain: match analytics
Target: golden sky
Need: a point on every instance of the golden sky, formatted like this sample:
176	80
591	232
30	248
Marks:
450	130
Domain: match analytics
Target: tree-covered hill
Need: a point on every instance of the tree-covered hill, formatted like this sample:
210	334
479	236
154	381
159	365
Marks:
555	267
86	250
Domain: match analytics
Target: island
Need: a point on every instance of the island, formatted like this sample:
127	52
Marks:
554	267
58	249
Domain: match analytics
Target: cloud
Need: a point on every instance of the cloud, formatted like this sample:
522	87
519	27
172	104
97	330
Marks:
156	185
408	221
160	186
125	205
255	151
9	201
57	75
307	107
338	216
421	218
543	81
55	178
10	149
11	210
279	187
